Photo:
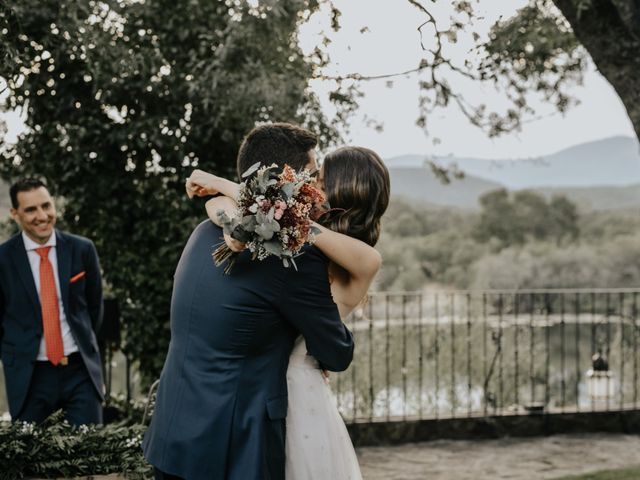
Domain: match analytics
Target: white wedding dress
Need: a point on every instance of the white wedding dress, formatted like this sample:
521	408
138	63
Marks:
318	446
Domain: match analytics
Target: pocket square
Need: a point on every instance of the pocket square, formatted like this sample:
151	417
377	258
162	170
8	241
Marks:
77	277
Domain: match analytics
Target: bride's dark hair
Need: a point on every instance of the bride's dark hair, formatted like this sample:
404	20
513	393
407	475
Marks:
356	183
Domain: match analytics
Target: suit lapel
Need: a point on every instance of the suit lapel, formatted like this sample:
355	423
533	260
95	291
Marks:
63	251
21	261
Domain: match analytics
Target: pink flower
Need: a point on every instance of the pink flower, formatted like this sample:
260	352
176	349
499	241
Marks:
280	207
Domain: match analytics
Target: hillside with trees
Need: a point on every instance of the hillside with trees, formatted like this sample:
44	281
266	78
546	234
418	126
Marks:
516	240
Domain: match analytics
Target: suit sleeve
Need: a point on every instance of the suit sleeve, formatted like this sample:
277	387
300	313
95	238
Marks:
94	286
307	304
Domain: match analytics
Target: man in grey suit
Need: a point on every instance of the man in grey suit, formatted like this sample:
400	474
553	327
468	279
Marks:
50	311
222	399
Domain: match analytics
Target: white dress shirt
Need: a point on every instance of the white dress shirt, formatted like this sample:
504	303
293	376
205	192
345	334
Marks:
34	261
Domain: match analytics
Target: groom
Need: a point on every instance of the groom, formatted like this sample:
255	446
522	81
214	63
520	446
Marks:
222	399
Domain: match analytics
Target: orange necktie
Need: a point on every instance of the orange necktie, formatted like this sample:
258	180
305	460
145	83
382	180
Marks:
50	311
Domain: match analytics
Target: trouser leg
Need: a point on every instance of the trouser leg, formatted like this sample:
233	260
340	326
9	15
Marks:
81	403
43	395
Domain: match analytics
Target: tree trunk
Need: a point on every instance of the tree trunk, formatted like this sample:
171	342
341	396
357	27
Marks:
610	31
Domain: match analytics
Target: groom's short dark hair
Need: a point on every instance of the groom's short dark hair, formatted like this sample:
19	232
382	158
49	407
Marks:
279	143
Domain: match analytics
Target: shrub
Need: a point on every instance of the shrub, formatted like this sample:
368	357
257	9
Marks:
55	449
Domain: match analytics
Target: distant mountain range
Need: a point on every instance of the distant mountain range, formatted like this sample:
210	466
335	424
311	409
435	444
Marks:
599	175
420	185
611	161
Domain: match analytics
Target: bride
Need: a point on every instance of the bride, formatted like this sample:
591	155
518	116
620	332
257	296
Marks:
356	184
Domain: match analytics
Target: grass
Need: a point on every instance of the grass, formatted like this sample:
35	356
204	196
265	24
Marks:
625	474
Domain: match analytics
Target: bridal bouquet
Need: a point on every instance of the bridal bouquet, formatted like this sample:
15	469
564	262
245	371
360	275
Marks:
275	209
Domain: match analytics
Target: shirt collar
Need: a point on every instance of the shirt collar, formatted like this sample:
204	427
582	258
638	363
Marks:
31	245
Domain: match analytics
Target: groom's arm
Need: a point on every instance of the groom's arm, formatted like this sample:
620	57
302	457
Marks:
307	304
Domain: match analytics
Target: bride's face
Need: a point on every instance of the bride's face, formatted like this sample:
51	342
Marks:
312	164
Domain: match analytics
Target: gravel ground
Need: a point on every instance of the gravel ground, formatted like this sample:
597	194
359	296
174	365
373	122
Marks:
509	458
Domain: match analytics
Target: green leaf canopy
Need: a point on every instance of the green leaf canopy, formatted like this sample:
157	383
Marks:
122	99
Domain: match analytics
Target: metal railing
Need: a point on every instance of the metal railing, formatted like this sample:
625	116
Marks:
450	354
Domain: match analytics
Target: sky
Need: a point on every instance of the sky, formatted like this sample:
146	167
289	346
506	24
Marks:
391	44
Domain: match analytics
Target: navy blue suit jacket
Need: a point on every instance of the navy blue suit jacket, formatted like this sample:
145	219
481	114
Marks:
222	399
21	317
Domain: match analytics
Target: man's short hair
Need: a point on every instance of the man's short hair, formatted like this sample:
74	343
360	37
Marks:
24	185
279	143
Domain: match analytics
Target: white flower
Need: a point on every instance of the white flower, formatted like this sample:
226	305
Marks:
27	428
134	442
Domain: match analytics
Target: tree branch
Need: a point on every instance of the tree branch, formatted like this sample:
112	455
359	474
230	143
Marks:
431	20
614	49
358	76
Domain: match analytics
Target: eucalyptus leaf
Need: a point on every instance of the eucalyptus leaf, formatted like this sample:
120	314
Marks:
222	216
251	170
264	182
267	229
249	223
264	218
229	226
271	213
287	190
273	247
274	172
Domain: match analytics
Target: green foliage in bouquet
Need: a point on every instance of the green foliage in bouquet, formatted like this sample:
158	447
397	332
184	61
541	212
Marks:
55	449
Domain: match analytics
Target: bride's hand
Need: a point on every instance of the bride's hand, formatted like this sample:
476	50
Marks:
201	184
227	205
233	244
